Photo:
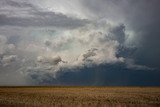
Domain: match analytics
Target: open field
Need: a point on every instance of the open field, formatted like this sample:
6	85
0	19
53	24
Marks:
79	96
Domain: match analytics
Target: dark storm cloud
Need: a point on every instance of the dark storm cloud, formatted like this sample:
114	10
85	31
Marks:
118	33
103	75
33	46
16	7
16	4
144	19
140	16
42	19
34	16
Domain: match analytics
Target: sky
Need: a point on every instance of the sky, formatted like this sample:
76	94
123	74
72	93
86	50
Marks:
80	42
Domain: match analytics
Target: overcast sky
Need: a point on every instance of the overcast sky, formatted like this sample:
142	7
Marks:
79	42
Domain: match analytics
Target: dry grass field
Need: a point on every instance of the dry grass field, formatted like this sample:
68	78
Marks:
79	97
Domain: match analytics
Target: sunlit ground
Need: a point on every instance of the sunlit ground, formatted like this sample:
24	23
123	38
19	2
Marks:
79	96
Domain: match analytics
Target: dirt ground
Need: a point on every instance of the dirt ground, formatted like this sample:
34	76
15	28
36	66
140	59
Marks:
79	96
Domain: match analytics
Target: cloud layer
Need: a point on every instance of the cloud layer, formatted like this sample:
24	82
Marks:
41	40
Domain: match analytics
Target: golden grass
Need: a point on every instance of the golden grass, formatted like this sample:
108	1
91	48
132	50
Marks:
79	96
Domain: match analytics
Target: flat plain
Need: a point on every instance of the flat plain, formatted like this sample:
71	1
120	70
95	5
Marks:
79	96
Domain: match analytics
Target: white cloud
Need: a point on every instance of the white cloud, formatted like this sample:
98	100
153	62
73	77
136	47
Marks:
69	49
8	59
6	52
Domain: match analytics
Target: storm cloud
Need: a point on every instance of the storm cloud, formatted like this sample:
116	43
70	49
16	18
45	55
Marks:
48	42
